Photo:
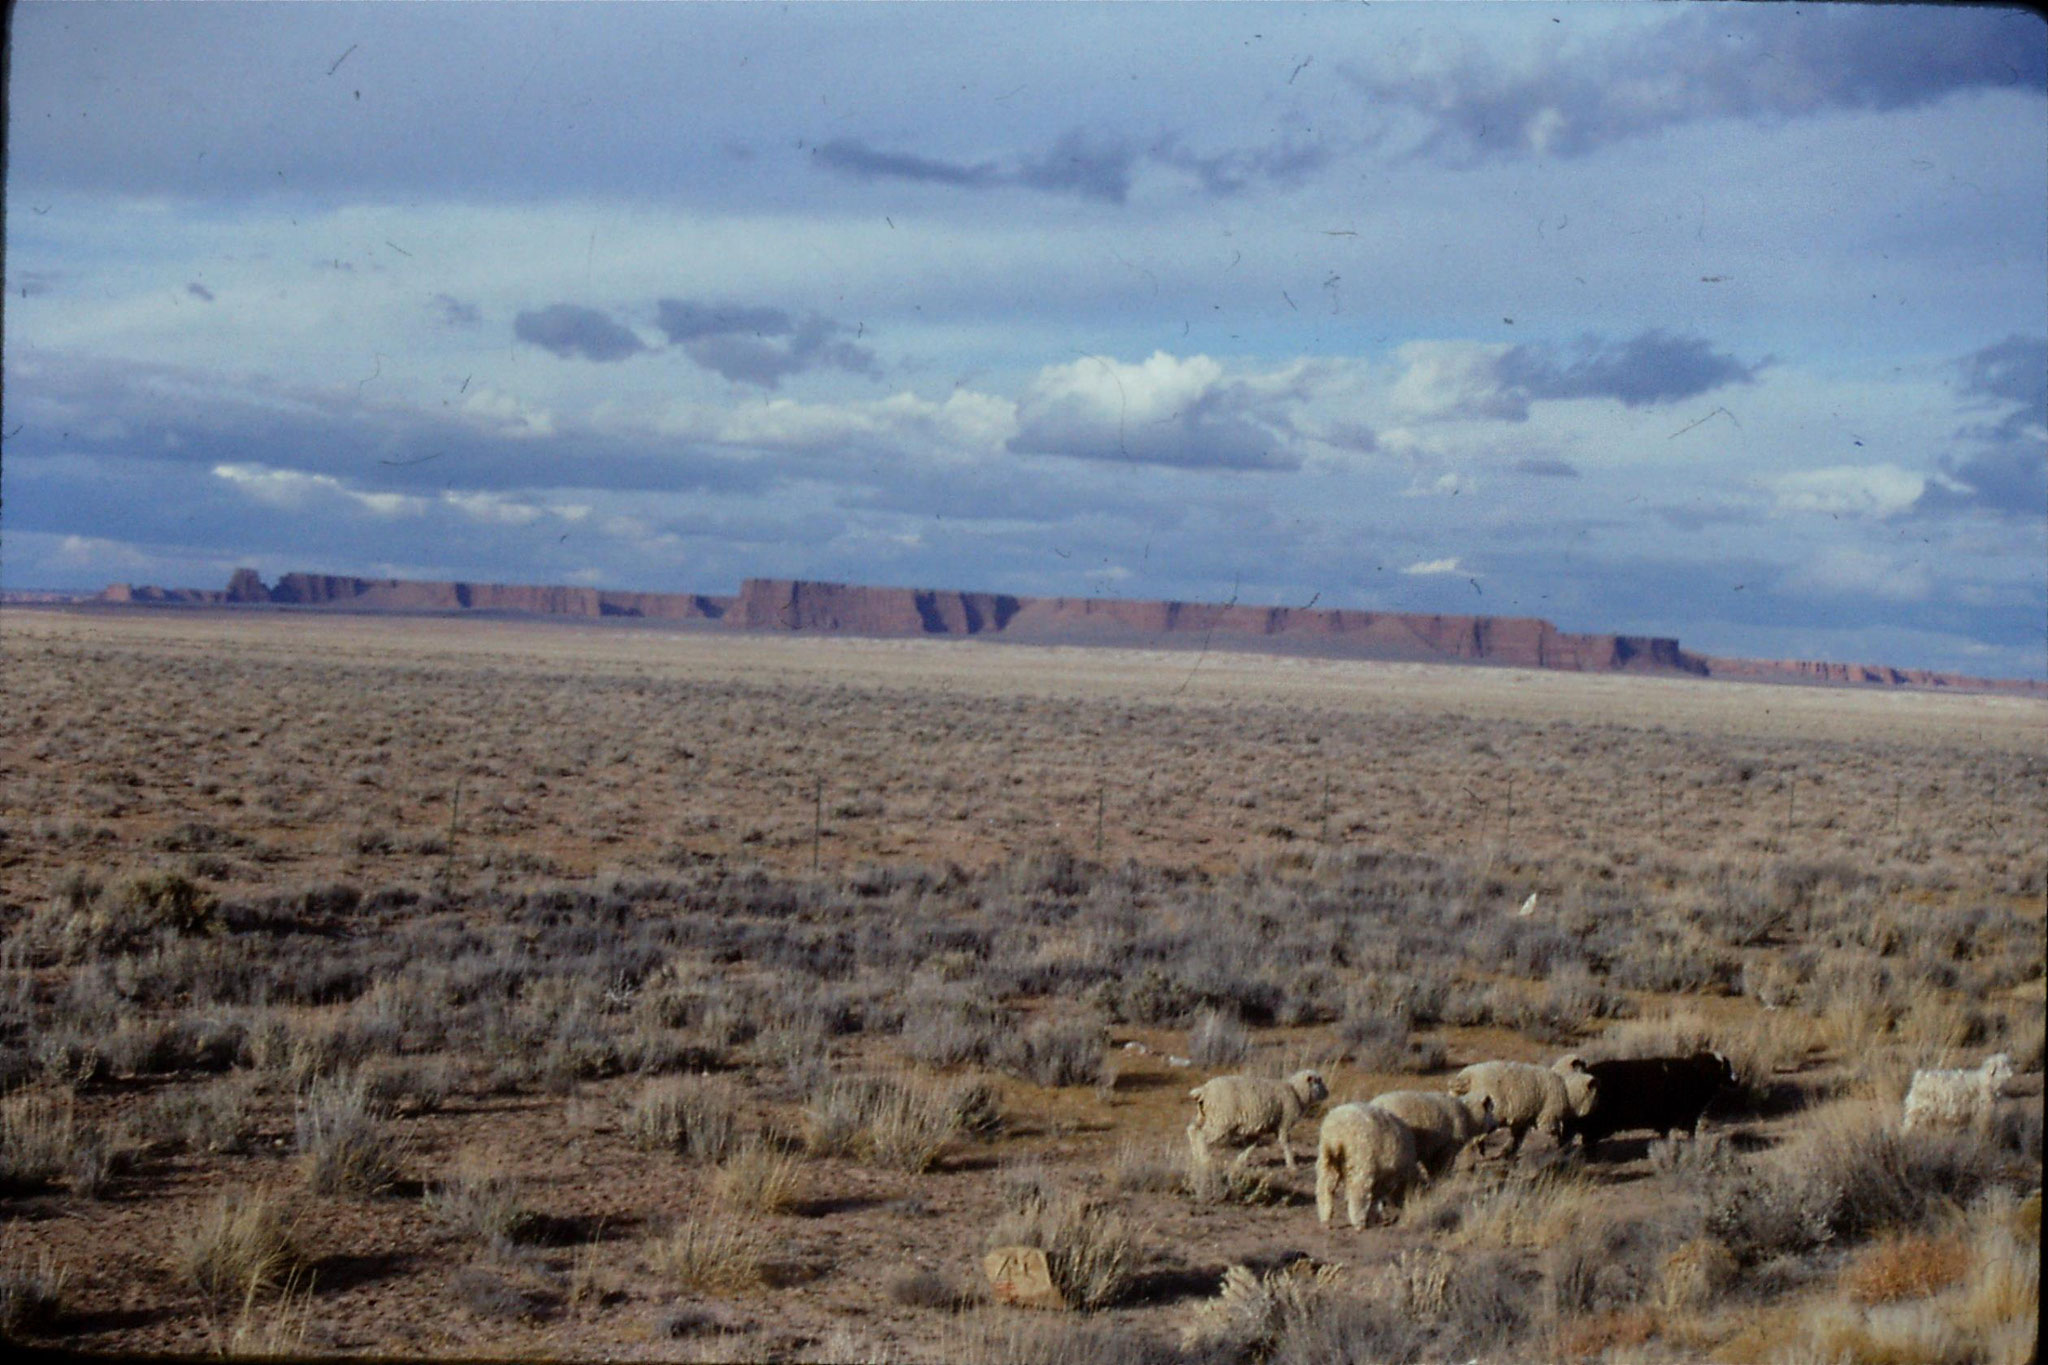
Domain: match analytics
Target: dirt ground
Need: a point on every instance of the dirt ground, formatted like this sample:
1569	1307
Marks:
461	760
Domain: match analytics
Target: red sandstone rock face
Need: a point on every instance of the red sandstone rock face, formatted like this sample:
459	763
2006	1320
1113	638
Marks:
794	604
246	586
148	594
790	604
396	594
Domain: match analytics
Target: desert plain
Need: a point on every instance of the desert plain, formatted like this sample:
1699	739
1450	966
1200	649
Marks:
424	986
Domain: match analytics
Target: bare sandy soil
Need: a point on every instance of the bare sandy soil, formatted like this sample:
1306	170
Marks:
372	820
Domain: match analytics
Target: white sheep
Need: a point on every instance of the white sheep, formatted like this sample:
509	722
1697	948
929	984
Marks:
1956	1099
1368	1154
1240	1111
1442	1123
1525	1096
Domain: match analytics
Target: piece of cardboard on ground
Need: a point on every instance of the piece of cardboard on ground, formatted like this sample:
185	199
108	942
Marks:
1022	1276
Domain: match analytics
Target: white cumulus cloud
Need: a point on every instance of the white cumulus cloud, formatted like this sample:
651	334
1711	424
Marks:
294	490
1879	490
1845	571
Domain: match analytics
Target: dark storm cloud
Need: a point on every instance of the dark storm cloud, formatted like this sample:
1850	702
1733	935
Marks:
685	320
2007	472
1652	367
1094	168
2011	371
1097	166
32	283
1546	469
754	345
1710	62
1213	431
1490	384
568	330
1235	170
453	312
856	158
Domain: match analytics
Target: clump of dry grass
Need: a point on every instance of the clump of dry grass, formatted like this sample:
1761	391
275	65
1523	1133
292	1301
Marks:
1604	1334
240	1247
890	1120
342	1141
479	1199
1090	1248
1165	1166
31	1293
38	1139
758	1178
1529	1208
1695	1273
1848	1174
1147	1167
1055	1052
1252	1311
708	1254
1218	1040
1905	1266
214	1117
689	1115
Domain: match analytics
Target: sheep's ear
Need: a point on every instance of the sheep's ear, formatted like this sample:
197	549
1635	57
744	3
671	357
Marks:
1572	1061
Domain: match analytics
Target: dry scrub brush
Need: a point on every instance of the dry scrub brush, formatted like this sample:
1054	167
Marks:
1090	1247
240	1246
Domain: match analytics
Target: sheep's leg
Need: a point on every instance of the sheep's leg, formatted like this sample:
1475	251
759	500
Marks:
1328	1172
1356	1199
1287	1151
1197	1145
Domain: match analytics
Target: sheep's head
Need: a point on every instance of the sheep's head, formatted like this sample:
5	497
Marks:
1309	1085
1486	1119
1998	1068
1723	1069
1581	1091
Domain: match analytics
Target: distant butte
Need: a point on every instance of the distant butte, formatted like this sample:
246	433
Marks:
783	604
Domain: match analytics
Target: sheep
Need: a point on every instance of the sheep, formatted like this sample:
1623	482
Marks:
1239	1111
1526	1096
1664	1094
1442	1123
1956	1099
1368	1154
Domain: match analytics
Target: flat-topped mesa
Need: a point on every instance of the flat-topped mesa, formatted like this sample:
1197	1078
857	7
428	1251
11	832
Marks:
795	604
403	594
1862	675
788	604
148	594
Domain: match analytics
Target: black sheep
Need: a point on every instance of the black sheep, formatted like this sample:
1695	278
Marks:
1663	1094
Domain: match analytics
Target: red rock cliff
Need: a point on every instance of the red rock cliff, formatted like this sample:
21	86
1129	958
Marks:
796	604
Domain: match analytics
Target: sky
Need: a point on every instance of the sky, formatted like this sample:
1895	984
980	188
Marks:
1724	322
